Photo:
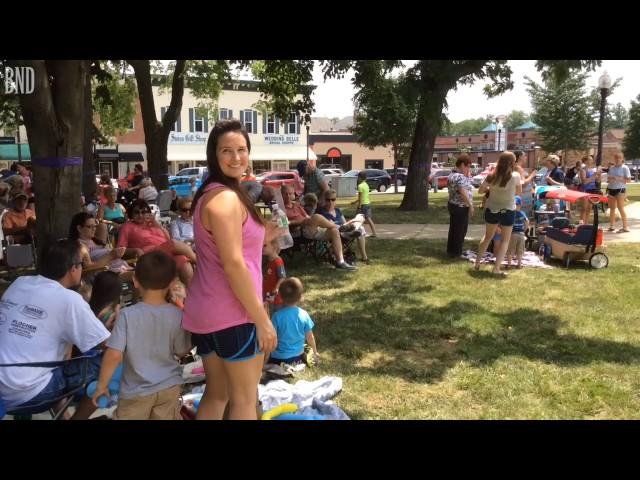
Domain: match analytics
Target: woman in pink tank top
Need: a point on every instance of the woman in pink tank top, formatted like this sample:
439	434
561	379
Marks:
223	309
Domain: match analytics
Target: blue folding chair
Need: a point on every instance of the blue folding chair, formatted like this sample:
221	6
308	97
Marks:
25	412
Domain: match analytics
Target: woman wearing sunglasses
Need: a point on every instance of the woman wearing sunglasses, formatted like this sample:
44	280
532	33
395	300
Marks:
142	234
94	251
182	227
348	229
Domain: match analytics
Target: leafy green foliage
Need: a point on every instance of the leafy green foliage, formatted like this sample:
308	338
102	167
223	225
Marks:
515	118
563	112
385	113
114	101
631	143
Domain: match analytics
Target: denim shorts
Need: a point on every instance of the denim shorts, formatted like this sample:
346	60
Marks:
234	344
504	217
67	378
614	192
366	210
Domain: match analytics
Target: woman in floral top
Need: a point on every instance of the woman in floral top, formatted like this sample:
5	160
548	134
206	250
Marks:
460	205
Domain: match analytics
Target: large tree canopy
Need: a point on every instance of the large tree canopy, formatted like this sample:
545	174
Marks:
631	142
563	112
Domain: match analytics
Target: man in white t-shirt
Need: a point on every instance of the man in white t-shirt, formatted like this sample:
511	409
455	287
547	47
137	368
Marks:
40	317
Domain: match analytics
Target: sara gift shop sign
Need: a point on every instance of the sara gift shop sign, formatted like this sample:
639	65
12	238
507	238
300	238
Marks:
187	138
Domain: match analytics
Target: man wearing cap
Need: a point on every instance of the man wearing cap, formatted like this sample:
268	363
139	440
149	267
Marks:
314	181
19	221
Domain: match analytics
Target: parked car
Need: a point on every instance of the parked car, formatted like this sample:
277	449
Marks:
402	175
277	179
192	172
441	176
182	185
376	179
477	180
331	173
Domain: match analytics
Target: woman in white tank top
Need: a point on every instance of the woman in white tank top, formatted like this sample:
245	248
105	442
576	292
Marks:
503	185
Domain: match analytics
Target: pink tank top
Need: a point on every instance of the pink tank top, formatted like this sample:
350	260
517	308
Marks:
211	305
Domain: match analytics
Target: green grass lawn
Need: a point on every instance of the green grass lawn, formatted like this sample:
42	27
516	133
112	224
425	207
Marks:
417	336
386	208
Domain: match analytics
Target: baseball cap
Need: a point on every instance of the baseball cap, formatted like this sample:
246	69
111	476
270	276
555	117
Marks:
518	200
301	167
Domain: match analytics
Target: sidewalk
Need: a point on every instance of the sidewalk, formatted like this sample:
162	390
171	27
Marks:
421	231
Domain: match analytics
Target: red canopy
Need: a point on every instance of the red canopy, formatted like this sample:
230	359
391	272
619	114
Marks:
574	195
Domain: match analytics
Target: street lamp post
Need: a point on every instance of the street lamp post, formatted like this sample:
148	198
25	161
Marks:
604	83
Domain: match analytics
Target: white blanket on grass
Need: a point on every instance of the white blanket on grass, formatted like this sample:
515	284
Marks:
312	398
529	259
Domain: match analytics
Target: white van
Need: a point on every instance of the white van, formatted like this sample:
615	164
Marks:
192	172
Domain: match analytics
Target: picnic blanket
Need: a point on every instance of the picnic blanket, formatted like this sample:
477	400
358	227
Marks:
312	398
529	259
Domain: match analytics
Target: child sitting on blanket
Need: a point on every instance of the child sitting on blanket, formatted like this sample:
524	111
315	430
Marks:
293	326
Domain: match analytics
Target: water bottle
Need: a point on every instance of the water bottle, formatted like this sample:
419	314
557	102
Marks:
103	400
284	240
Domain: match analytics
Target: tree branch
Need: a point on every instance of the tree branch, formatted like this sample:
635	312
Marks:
177	91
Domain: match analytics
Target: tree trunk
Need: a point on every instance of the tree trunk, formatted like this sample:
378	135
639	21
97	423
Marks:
156	134
428	123
54	115
88	165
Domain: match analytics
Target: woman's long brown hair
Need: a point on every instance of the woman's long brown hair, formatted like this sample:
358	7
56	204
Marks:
215	172
503	171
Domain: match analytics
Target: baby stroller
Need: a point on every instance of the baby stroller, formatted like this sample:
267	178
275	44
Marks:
583	243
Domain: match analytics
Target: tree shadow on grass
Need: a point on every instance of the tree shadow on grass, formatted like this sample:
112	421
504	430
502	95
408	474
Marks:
420	344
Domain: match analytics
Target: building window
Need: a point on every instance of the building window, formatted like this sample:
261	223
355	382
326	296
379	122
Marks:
271	124
293	125
225	114
249	119
198	123
524	134
176	126
132	125
377	164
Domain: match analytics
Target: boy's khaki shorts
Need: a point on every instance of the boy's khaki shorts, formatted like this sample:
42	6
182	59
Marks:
516	244
162	405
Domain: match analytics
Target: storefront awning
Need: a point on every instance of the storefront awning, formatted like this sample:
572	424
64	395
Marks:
10	152
281	152
197	156
258	152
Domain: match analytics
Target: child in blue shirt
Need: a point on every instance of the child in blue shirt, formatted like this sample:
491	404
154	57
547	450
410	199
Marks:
518	237
293	326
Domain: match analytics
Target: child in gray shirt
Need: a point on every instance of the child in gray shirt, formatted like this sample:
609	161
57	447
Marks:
147	337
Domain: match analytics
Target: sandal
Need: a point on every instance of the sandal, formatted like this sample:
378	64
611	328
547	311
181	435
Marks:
623	230
611	229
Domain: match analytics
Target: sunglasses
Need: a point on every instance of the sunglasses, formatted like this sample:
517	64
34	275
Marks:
141	212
